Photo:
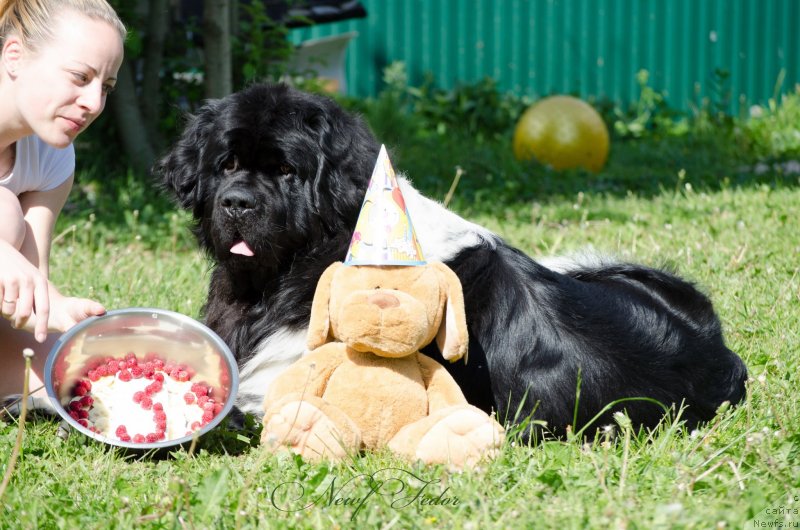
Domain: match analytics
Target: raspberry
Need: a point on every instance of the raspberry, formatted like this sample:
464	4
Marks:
182	375
200	389
162	435
121	365
136	372
161	426
147	403
80	390
153	387
151	437
124	438
202	400
87	402
208	416
209	405
74	405
195	425
121	431
74	415
159	415
158	407
83	423
158	376
158	363
83	414
217	408
138	438
93	375
138	396
189	398
124	375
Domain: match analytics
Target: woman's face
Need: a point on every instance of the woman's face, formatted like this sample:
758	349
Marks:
62	87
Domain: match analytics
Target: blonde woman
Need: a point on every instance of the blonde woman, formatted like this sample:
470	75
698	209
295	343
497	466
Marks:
59	60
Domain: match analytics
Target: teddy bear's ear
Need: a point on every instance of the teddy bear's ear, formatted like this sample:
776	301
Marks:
320	323
452	337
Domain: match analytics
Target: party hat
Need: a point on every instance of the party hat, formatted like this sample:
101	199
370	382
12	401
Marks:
384	234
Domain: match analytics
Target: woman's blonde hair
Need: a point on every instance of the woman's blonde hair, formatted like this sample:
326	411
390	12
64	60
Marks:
33	20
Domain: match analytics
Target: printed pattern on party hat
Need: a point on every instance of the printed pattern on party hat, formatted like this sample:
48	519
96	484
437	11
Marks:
384	234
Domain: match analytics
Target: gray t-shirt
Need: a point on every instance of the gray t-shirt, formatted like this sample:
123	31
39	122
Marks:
38	166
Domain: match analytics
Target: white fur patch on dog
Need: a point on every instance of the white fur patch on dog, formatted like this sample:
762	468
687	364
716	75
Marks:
441	233
273	356
588	258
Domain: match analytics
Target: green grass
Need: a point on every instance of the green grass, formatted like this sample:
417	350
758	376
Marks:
730	231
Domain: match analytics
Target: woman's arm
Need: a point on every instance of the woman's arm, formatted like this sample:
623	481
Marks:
40	209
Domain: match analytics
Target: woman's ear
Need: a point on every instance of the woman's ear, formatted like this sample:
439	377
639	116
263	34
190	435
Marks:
319	326
452	338
13	54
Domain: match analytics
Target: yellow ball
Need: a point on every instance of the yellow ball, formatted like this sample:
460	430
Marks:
564	132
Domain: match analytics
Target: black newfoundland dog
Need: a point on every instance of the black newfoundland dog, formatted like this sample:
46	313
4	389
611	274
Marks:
275	179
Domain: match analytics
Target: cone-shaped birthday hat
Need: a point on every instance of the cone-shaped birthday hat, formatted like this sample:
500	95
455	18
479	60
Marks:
384	234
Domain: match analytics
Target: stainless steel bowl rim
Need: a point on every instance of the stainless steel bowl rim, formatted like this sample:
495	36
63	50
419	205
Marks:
183	319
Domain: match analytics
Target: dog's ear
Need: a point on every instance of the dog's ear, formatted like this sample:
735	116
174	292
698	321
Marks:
180	170
452	338
345	156
319	327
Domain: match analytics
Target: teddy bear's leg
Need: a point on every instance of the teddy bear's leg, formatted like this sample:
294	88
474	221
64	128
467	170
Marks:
459	435
310	427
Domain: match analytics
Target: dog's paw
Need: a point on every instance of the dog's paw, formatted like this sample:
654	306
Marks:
461	438
309	430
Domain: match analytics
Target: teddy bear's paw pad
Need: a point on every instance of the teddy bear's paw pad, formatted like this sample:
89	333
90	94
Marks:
306	430
461	439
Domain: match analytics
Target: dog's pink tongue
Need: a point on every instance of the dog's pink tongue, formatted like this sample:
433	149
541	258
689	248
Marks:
242	248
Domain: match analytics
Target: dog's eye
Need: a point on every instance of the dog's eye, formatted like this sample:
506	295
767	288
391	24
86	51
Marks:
286	169
231	164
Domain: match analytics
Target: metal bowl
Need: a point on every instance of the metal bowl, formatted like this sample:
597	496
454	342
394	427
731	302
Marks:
175	337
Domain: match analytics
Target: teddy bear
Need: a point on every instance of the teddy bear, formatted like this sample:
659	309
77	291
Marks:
364	385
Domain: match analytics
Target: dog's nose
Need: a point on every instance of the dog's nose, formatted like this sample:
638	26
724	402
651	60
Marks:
237	201
383	300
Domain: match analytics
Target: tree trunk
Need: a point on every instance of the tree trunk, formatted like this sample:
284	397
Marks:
157	20
217	48
132	129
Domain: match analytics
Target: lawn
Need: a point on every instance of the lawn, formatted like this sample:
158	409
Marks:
684	203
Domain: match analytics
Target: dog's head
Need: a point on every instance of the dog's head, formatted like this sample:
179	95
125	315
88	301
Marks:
267	172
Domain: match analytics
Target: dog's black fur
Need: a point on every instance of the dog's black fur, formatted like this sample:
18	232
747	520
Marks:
286	172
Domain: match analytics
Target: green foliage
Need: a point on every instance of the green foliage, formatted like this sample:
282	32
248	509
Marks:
774	131
650	114
260	46
477	110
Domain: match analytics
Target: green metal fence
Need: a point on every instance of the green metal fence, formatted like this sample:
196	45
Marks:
592	48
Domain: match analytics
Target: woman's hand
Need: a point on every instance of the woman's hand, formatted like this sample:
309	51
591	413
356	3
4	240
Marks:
24	289
66	311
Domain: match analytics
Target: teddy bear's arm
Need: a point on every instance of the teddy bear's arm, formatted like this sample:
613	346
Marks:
442	389
309	375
